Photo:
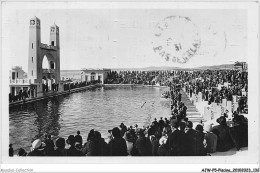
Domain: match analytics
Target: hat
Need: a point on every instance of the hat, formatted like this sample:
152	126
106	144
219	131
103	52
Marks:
36	144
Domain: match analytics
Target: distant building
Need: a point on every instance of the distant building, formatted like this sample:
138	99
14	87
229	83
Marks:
17	73
240	66
94	74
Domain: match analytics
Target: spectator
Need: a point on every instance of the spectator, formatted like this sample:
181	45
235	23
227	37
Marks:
78	139
211	139
155	143
60	150
224	141
129	142
72	151
21	152
89	146
173	141
117	145
37	148
200	150
11	150
190	138
142	143
49	149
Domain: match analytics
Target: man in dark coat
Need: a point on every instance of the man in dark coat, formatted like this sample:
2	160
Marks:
117	145
190	138
224	141
72	151
142	144
173	141
78	138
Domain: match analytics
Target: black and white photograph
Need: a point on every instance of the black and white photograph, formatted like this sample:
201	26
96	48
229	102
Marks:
130	83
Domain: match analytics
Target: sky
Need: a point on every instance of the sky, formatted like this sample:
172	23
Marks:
127	37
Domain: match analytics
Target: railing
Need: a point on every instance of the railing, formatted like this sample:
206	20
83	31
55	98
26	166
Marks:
20	81
45	46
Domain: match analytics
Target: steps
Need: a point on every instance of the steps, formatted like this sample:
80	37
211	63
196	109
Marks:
192	112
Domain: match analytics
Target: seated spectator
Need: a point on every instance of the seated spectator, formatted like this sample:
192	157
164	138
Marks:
224	141
117	145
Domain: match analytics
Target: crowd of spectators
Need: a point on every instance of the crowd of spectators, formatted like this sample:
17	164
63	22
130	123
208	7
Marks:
208	82
139	77
167	137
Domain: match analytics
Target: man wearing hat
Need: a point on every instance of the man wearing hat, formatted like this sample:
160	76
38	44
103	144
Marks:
37	148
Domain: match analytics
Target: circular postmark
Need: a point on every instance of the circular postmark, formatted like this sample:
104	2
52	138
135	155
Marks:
176	39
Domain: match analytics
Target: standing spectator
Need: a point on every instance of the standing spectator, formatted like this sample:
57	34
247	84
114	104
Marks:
60	150
224	142
123	129
155	143
161	123
117	145
142	143
11	150
200	150
173	141
100	146
78	138
190	138
129	142
72	151
88	148
49	149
